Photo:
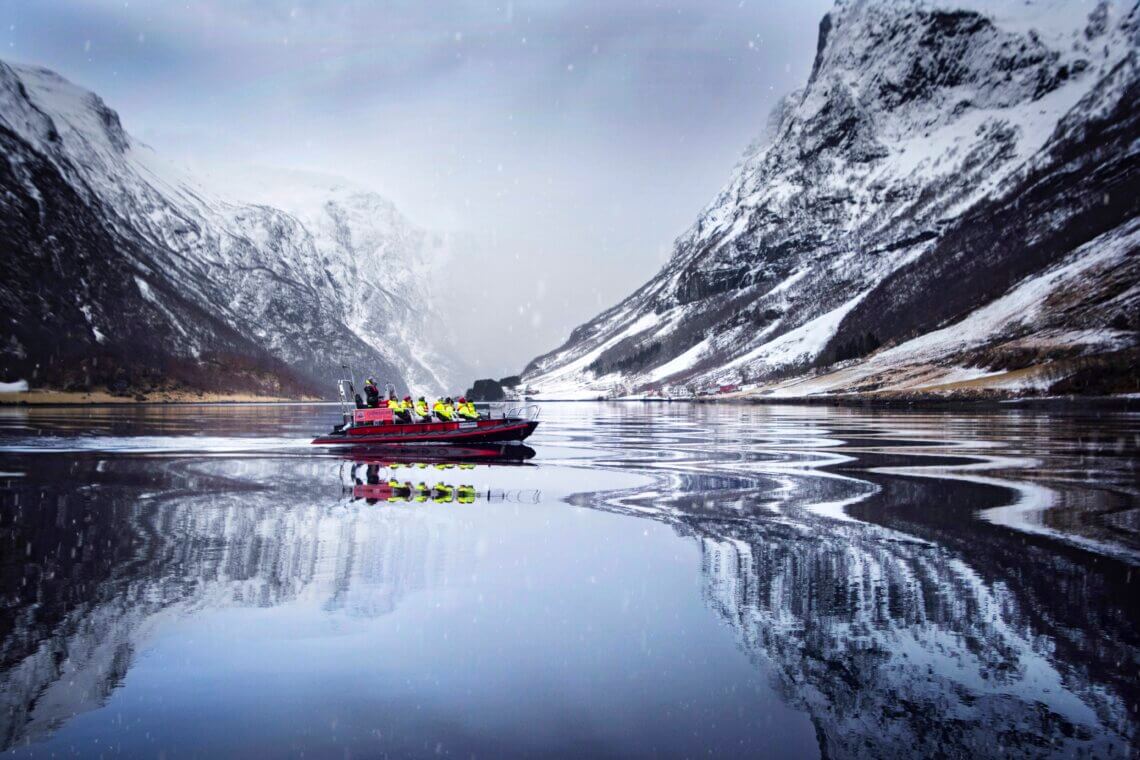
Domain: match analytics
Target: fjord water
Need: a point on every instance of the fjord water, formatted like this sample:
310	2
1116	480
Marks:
659	579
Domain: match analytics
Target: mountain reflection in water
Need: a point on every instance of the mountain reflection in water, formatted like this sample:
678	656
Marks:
907	583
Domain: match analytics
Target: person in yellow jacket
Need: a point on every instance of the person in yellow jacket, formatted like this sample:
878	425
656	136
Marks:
400	491
443	493
422	410
399	409
466	410
444	410
466	495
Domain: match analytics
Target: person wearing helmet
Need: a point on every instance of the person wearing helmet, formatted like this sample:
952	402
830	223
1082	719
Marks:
422	410
372	393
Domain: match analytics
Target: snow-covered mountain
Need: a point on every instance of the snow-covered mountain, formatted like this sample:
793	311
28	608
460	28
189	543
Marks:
950	199
121	268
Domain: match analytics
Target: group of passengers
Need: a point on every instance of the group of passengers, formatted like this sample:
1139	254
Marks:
405	410
405	491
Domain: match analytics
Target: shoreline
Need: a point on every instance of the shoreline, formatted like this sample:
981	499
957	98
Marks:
1012	403
1120	403
44	398
1107	403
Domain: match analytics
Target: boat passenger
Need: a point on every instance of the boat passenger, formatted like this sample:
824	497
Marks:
466	495
443	493
401	411
372	393
400	491
422	410
466	410
443	410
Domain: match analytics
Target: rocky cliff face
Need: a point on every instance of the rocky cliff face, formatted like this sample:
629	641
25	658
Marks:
120	269
939	160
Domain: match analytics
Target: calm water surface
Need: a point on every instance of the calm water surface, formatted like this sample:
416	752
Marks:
657	580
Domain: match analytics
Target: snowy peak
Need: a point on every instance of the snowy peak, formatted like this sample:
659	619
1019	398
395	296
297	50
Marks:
915	114
304	272
58	113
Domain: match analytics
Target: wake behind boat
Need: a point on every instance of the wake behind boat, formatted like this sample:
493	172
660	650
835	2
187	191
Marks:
379	426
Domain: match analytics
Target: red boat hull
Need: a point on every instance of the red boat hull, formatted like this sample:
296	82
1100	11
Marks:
477	431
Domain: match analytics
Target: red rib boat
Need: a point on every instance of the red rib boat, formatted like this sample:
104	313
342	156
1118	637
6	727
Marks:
373	427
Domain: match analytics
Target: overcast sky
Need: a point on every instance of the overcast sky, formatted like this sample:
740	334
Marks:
564	145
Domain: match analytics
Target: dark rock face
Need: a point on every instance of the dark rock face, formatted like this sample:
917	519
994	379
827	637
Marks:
934	161
486	390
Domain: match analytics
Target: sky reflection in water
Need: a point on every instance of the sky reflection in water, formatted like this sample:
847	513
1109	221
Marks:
661	579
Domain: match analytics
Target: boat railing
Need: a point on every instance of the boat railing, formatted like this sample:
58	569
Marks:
525	496
526	411
500	411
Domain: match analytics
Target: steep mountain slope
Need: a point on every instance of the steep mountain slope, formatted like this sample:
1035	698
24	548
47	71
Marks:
936	159
120	269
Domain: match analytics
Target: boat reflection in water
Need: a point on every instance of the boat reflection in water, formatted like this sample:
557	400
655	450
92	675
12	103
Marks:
404	474
491	453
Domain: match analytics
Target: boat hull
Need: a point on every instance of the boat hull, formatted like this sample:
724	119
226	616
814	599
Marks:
477	431
511	452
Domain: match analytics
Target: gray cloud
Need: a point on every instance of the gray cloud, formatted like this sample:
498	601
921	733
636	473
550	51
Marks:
563	145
